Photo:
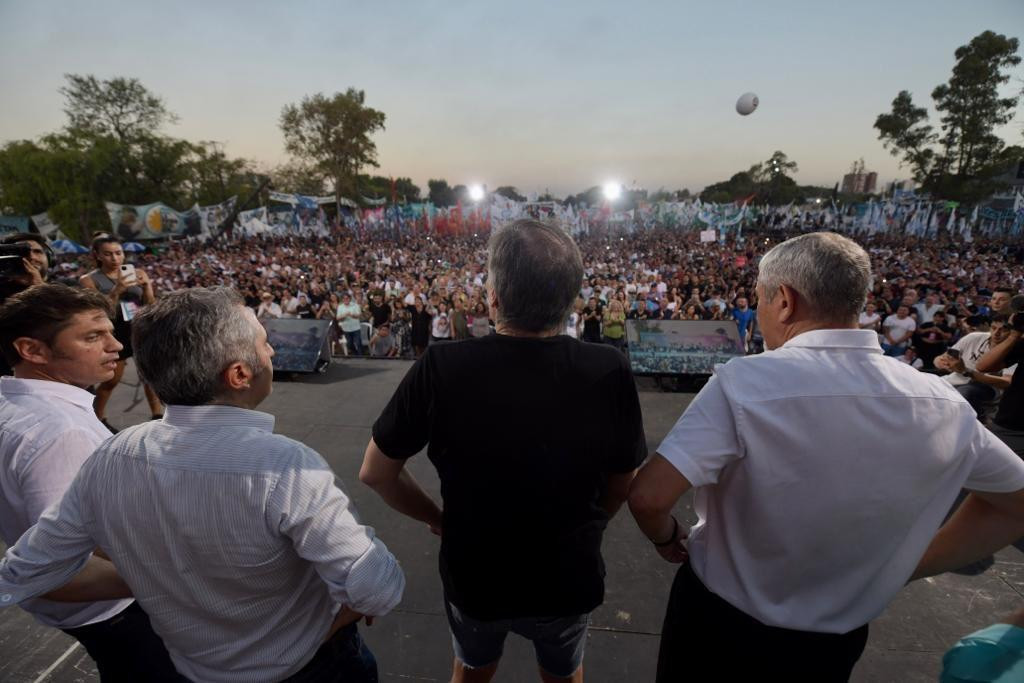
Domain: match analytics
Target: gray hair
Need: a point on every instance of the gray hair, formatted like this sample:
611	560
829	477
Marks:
184	341
830	272
535	270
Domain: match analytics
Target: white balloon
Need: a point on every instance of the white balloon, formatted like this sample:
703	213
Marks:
746	104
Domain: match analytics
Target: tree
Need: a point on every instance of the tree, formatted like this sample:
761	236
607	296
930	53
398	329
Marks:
957	163
510	192
121	107
298	178
333	133
214	177
439	193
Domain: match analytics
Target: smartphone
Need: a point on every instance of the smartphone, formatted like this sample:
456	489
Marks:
953	353
128	273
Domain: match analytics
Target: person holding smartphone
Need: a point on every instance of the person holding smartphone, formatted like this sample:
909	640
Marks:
128	289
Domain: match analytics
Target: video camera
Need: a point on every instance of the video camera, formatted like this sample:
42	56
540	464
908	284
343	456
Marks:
11	255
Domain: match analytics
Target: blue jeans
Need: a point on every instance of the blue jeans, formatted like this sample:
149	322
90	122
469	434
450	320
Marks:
355	342
344	657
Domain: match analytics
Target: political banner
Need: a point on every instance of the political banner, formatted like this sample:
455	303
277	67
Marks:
259	214
708	236
212	217
45	226
151	221
10	224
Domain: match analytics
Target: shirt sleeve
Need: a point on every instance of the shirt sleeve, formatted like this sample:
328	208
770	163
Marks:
403	429
997	469
319	519
631	444
703	440
49	554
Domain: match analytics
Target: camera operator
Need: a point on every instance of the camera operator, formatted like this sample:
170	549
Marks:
24	262
1008	424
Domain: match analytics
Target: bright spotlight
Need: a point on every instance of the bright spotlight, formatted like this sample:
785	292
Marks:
612	191
476	193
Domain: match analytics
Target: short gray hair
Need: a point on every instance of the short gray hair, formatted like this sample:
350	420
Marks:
535	270
831	272
184	341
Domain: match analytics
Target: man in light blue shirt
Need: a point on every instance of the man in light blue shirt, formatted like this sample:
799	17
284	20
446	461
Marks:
236	541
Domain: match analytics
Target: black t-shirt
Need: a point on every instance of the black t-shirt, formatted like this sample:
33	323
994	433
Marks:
591	326
1011	408
381	314
524	433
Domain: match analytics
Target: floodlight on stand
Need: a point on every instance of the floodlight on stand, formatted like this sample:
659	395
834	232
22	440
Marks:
612	191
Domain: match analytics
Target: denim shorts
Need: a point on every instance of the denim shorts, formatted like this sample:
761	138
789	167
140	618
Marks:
558	641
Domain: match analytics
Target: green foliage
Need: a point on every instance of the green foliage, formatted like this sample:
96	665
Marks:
121	107
439	193
962	161
510	192
333	134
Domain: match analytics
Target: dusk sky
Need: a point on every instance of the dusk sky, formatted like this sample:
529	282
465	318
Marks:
538	95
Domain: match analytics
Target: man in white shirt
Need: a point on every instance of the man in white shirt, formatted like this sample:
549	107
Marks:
979	388
897	330
823	471
235	540
59	341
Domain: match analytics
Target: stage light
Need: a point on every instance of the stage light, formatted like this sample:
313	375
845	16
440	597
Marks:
612	191
476	192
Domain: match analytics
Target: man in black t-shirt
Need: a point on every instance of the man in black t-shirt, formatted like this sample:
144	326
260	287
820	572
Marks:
380	312
592	314
531	468
1008	424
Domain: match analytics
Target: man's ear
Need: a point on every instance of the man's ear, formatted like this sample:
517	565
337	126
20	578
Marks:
788	304
237	376
33	350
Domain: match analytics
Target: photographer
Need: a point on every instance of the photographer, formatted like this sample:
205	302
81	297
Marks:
127	290
1008	424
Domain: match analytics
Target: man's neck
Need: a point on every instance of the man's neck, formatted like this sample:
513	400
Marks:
804	326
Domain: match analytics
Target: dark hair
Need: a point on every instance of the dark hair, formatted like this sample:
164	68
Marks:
41	312
101	239
1000	318
535	270
1004	290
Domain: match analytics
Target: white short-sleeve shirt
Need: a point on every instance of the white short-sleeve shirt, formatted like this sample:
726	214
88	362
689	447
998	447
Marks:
823	470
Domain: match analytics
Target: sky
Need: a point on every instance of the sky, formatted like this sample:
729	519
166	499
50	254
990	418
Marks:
544	95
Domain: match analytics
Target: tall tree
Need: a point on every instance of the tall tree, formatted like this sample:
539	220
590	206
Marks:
333	133
121	107
510	192
957	162
439	193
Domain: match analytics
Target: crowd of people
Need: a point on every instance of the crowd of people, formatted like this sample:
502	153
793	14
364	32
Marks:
423	288
202	546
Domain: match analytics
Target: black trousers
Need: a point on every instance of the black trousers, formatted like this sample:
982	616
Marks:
126	649
704	638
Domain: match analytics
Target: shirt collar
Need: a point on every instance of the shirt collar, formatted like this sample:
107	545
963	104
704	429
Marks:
864	340
218	416
10	386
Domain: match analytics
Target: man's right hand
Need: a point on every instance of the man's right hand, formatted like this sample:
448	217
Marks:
343	618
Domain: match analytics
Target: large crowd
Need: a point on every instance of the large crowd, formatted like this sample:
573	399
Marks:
402	292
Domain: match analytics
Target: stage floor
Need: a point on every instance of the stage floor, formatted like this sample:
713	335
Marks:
333	413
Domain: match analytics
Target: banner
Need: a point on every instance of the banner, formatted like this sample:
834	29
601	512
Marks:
46	227
259	214
212	217
151	221
13	224
297	199
708	236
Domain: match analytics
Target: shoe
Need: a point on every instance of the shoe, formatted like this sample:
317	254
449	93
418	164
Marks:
109	426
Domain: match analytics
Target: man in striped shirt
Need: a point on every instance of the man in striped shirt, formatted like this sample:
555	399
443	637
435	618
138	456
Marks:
236	541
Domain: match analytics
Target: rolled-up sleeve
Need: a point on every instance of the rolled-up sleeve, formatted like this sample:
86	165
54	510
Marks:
49	554
359	570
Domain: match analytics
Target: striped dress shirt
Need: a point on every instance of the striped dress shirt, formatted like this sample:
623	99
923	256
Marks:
236	542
